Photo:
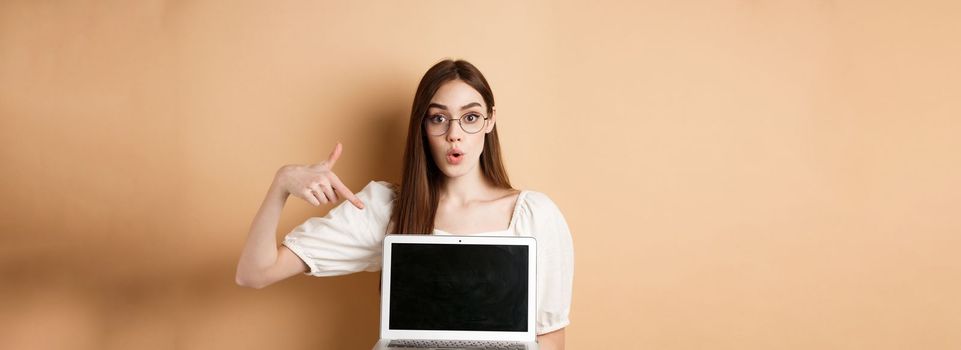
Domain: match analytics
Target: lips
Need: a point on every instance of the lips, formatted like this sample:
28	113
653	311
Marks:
455	156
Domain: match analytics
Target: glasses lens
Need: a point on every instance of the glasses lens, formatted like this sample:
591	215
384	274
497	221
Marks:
436	125
472	123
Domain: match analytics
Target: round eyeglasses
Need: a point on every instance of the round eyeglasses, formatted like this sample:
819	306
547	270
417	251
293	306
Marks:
438	124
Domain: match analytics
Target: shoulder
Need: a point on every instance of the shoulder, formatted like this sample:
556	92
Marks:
539	216
537	208
379	191
378	198
538	202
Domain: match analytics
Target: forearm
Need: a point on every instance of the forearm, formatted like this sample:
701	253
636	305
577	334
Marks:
260	250
552	341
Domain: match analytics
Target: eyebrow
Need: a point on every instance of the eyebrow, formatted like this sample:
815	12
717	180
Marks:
440	106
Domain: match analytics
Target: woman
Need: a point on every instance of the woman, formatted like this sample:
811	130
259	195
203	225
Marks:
454	182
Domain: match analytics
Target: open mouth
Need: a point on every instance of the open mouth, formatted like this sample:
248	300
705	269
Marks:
455	156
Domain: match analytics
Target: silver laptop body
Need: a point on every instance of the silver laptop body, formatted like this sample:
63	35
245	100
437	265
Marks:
458	292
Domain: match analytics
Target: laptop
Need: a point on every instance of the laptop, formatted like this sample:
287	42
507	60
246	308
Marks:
458	292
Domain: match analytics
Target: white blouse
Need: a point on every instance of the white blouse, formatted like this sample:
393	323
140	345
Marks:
349	240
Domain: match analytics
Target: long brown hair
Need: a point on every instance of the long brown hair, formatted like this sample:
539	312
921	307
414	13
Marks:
416	204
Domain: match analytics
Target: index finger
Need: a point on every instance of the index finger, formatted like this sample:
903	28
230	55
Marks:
342	190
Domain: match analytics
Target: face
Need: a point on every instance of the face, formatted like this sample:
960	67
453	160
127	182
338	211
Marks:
456	151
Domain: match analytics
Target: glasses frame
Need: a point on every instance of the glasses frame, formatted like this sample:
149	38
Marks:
451	121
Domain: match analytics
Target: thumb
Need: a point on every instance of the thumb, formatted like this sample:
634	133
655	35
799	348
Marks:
332	159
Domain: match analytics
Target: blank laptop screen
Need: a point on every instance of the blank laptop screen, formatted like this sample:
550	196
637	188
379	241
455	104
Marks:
458	287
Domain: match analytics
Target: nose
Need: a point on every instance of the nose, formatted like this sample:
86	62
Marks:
454	132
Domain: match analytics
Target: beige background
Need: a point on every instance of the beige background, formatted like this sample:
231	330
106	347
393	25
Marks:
736	174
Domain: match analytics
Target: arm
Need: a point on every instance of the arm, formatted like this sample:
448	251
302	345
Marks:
555	281
262	262
552	341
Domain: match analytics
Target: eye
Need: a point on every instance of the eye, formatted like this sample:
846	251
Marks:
437	119
471	118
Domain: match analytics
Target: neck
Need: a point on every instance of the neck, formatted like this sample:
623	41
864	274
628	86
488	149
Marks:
468	188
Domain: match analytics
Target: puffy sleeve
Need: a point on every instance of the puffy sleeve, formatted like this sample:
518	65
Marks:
541	218
347	239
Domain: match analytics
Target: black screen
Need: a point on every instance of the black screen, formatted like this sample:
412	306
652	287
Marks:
458	287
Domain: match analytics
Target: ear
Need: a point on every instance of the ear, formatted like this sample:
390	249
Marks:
490	122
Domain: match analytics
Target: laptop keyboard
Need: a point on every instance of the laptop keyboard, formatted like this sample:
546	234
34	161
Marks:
455	344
